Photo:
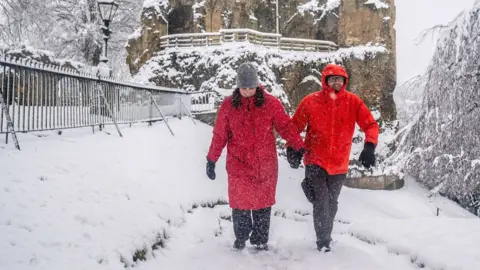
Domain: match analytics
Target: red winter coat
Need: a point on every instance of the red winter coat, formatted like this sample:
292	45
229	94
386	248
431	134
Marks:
252	163
330	120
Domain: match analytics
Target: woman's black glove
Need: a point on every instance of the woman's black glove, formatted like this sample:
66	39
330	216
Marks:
211	169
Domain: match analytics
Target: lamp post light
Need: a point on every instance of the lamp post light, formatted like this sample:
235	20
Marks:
107	8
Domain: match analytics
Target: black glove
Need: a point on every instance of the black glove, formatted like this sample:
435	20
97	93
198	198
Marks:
211	169
294	157
367	157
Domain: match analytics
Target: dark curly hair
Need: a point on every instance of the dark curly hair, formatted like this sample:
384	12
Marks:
237	98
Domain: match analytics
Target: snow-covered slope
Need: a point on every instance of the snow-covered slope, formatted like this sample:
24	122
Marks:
442	146
98	201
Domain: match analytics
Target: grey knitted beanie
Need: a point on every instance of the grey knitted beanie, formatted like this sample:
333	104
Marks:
247	76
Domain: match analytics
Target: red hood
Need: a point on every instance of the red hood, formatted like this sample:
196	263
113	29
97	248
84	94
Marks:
333	70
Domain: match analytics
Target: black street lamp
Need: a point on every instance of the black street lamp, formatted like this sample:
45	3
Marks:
107	8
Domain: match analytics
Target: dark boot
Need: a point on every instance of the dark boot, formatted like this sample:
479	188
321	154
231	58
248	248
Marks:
261	247
239	244
323	246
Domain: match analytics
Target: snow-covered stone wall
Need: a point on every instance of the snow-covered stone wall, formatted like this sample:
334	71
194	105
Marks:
289	75
338	21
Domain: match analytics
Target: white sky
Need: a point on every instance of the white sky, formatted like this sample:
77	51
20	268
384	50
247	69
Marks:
414	16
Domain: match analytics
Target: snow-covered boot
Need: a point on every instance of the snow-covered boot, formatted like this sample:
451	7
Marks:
323	246
261	247
239	244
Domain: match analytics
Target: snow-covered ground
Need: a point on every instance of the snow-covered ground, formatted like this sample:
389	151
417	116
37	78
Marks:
95	201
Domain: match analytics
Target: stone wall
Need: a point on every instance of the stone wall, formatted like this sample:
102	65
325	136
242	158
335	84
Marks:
352	23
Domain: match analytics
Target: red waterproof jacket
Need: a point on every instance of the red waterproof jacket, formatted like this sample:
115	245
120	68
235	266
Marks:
330	120
252	162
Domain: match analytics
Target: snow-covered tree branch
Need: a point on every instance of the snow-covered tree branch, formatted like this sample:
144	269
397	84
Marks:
68	28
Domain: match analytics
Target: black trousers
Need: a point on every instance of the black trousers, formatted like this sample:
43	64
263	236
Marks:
326	190
256	222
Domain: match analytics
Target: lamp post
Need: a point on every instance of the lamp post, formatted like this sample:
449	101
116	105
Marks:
107	8
277	16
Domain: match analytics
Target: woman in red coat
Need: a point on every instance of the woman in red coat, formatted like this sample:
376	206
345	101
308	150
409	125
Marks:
245	124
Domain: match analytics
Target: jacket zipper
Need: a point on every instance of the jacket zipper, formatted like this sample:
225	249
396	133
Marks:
332	130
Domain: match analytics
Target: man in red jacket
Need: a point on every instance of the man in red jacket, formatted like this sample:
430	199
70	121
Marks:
245	124
330	116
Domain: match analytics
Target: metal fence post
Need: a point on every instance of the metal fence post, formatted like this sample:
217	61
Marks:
109	110
3	91
10	126
161	114
180	109
150	110
187	110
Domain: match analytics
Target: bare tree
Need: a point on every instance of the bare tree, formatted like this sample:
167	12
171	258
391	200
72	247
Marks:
430	31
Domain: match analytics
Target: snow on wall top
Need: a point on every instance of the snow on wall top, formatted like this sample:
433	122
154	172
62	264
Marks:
42	56
199	4
136	34
378	3
314	6
157	4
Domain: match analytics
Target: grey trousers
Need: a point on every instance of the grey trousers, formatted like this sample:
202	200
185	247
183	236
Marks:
326	190
256	222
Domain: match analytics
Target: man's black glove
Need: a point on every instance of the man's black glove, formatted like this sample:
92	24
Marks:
294	157
211	169
367	157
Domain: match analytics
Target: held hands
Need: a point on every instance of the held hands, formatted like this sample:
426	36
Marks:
211	169
367	157
294	157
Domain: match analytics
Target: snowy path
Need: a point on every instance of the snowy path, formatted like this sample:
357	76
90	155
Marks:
97	201
204	242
